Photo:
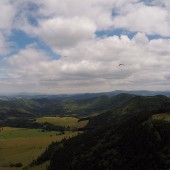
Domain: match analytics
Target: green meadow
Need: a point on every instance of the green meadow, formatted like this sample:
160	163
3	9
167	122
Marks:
20	145
24	133
162	116
63	121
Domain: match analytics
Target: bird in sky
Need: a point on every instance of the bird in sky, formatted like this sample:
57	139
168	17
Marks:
121	65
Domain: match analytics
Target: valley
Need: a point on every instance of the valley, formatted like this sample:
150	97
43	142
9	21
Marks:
85	85
122	132
23	145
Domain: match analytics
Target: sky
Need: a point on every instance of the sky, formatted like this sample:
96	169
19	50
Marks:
74	46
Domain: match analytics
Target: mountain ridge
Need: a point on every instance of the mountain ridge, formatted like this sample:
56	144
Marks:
83	95
123	138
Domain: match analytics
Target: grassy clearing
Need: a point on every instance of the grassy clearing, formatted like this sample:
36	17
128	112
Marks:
63	121
162	116
19	145
8	128
24	145
7	133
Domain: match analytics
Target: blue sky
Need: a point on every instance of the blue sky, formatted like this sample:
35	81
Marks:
21	40
75	47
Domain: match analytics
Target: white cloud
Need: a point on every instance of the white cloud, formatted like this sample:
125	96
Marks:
7	14
141	38
98	11
6	23
24	64
94	66
163	3
91	62
148	19
4	45
67	23
60	32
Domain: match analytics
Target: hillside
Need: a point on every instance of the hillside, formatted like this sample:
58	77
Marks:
125	138
44	106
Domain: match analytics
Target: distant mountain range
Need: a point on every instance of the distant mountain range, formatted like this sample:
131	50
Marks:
25	95
87	104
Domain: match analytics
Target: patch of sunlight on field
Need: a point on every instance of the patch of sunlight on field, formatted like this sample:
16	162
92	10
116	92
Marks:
9	128
8	132
63	121
25	149
162	116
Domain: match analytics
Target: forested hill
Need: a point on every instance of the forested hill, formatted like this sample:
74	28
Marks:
134	136
136	107
45	106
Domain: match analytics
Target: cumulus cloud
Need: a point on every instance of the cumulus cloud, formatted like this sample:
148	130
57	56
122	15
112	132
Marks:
60	32
7	14
91	62
148	19
93	65
7	18
64	24
4	45
141	38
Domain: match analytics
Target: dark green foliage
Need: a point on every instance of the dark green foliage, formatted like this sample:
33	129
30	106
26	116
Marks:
123	137
45	156
17	165
45	106
97	104
30	123
126	138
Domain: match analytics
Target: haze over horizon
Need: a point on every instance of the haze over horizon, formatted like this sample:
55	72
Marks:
77	47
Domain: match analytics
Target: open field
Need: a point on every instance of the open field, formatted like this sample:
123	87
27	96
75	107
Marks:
63	121
24	145
7	133
162	116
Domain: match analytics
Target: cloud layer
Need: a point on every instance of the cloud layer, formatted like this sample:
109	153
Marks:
88	62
